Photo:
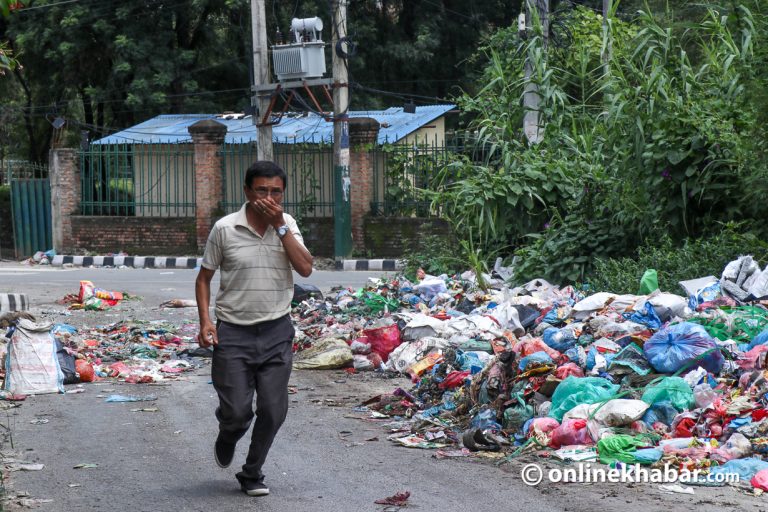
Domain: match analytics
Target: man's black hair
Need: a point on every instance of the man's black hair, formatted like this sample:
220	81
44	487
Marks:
265	169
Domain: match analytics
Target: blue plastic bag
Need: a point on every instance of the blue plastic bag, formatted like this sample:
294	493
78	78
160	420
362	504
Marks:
647	317
760	339
648	455
536	357
682	345
745	468
485	420
664	412
559	339
706	294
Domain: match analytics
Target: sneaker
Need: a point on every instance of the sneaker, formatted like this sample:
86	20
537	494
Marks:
223	452
254	488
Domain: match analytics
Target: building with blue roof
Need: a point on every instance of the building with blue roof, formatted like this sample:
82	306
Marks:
151	165
426	123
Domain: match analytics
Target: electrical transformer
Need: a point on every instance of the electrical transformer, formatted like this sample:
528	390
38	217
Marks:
305	56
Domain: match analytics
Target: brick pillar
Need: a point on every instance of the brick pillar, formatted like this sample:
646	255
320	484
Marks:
207	137
64	174
363	131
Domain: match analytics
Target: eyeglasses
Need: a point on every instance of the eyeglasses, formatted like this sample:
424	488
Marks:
262	192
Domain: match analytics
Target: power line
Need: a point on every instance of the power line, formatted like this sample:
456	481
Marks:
45	6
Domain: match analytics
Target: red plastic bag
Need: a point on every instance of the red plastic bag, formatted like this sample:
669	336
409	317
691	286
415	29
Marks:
684	427
571	432
454	379
384	339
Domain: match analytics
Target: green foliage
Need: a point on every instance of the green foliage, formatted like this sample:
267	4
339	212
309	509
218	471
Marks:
409	170
565	251
434	253
677	262
647	127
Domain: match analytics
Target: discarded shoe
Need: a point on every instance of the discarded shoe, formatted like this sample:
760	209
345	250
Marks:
476	441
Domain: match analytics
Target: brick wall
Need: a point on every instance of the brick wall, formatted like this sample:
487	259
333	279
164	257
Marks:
362	132
390	237
64	174
207	137
137	236
318	236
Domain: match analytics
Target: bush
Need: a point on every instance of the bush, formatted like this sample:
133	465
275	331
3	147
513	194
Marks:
677	262
434	253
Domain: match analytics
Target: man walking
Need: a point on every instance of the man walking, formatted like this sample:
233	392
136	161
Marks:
255	248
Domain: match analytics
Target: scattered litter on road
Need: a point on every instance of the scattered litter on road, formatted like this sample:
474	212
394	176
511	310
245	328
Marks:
85	465
179	303
24	466
39	421
130	398
399	499
146	409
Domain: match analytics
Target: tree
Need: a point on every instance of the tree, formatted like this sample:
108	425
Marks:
7	62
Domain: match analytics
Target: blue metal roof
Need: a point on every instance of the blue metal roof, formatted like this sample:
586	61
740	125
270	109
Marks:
310	128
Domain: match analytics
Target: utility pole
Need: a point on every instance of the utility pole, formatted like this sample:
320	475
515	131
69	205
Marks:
342	218
261	76
607	6
531	99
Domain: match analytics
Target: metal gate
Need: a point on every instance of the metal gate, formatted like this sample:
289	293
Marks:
31	210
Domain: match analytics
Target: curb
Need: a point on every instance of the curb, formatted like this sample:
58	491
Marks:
369	265
10	302
128	261
192	262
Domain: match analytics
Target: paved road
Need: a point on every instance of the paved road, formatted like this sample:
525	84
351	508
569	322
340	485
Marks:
326	457
45	285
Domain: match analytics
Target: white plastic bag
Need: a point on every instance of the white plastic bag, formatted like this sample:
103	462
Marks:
32	367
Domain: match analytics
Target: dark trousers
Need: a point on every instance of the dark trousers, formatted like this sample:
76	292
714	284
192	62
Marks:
255	358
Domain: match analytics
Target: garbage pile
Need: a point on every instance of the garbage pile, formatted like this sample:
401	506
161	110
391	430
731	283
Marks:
654	378
91	298
42	356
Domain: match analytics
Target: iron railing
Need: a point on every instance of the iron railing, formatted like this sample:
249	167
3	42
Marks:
142	180
309	168
22	169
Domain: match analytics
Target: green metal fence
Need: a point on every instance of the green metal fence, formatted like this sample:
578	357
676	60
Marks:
142	180
309	167
21	169
403	170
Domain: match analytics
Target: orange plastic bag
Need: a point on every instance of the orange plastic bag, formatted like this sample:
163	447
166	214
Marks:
85	370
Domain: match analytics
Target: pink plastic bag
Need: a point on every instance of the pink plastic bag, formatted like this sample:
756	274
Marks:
542	425
749	360
760	480
384	340
569	433
567	370
533	345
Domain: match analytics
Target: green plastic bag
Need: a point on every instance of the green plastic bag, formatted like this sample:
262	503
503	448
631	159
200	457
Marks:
670	389
575	391
649	283
619	448
516	416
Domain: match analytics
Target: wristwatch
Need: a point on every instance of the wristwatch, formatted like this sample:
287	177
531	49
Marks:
282	230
